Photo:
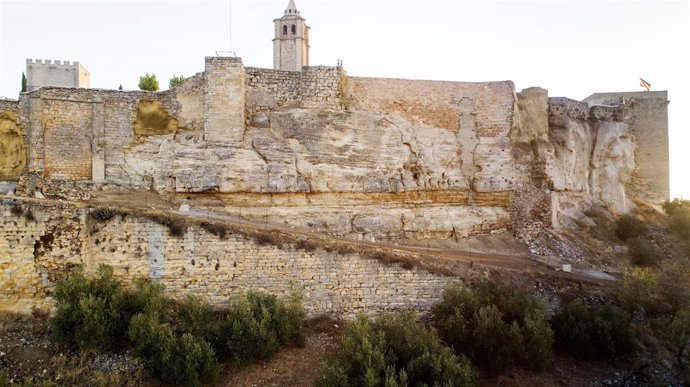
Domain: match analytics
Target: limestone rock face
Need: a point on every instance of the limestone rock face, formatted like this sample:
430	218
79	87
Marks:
592	158
12	148
317	151
532	115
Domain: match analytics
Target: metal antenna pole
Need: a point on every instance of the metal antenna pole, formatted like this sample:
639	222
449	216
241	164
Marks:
230	32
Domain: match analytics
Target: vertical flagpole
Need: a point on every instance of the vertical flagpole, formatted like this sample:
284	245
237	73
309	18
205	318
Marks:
230	31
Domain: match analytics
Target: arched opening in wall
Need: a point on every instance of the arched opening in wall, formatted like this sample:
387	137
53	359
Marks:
294	29
284	30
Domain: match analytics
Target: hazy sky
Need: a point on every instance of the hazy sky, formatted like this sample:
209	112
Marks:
571	48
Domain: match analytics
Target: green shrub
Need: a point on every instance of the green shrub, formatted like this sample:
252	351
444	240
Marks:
680	335
628	226
593	332
639	289
393	351
671	206
680	223
195	317
674	281
149	299
172	358
258	324
496	326
148	82
643	252
175	80
90	313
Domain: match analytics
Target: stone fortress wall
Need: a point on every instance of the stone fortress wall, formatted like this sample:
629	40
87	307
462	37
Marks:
56	73
39	249
363	158
320	136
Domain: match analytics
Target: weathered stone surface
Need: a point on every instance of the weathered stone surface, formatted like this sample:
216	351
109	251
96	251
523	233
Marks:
532	121
153	120
593	156
12	147
38	252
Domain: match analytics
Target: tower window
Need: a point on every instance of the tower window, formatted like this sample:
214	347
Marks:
284	30
294	29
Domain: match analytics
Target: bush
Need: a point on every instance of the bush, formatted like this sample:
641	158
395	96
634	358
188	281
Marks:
680	223
671	206
172	358
195	317
103	214
149	299
148	82
674	282
175	80
258	324
176	227
593	332
638	290
90	313
628	226
496	326
393	351
179	356
680	334
643	252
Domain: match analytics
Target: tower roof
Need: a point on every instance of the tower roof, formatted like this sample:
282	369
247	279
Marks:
291	8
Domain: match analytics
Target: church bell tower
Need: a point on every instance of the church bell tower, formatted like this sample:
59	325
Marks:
291	42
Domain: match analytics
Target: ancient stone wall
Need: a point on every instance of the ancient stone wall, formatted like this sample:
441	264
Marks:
81	134
224	99
317	87
479	114
321	87
41	244
650	127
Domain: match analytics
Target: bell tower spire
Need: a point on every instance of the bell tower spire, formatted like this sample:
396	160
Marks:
291	42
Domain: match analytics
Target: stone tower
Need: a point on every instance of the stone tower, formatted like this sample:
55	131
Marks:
41	73
291	42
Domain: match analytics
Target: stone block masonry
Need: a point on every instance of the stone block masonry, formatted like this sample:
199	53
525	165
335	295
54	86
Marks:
38	250
316	87
224	107
41	73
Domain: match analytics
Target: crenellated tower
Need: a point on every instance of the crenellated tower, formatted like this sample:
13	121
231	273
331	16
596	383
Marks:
41	73
291	42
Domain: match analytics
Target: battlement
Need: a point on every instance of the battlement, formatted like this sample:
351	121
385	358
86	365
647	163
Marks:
47	72
52	62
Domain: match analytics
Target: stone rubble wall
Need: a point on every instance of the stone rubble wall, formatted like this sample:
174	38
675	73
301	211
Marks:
315	87
39	249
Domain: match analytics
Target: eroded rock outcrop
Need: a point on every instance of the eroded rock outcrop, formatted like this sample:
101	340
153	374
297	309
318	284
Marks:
587	158
12	147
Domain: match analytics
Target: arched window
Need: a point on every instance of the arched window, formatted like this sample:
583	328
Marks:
294	29
284	30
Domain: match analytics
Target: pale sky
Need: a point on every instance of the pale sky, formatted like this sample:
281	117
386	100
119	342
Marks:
571	48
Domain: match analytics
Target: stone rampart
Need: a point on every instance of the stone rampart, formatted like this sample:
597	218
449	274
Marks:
41	244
